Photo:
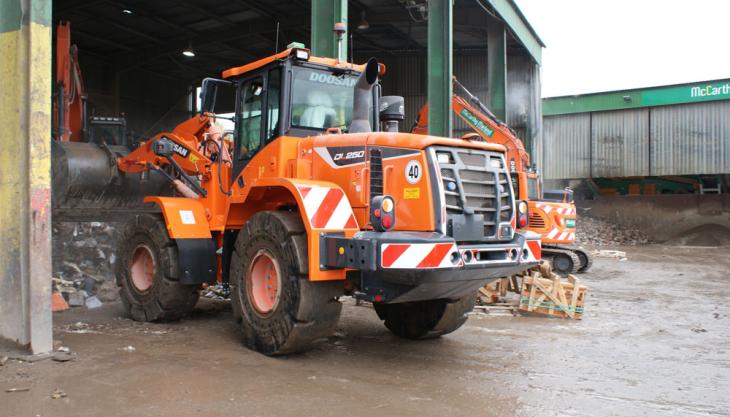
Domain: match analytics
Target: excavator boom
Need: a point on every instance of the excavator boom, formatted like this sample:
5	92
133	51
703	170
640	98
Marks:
474	113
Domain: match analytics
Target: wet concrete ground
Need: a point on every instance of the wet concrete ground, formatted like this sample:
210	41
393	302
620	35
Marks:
655	341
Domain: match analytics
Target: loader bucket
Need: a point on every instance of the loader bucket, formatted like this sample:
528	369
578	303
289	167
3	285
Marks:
88	187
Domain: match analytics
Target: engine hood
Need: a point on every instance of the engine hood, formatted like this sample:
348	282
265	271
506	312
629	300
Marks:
400	140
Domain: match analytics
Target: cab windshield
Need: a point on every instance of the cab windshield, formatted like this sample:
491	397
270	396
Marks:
321	99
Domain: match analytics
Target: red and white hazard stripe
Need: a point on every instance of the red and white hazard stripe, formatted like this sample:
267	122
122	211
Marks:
547	208
418	255
534	251
556	234
327	207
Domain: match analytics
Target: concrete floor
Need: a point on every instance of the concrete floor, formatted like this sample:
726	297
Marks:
654	342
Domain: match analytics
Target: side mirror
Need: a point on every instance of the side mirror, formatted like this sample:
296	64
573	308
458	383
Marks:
209	92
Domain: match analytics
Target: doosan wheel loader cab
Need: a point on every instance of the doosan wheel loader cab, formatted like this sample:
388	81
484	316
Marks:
317	201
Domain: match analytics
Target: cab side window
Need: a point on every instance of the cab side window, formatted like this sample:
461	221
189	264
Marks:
249	130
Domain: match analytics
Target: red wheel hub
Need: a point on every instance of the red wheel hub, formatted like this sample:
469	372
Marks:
264	289
142	268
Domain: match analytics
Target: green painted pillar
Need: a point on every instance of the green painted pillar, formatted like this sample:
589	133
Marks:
497	68
325	13
440	67
25	174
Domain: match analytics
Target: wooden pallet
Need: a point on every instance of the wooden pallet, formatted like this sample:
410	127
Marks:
546	294
496	291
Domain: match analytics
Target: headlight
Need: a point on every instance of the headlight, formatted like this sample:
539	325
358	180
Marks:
443	157
522	207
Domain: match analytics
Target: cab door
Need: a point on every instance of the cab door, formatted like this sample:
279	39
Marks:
257	121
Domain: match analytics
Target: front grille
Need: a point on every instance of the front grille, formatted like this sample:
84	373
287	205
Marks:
536	221
475	182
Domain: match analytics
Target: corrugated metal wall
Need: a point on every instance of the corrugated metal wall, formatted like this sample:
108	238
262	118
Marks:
684	139
567	150
406	76
620	143
691	139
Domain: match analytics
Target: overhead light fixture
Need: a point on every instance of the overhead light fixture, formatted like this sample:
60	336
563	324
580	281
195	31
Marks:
127	11
363	22
188	52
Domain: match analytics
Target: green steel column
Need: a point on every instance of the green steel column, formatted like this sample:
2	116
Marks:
25	174
440	67
325	13
497	68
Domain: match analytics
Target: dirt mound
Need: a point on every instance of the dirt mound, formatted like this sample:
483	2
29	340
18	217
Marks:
705	235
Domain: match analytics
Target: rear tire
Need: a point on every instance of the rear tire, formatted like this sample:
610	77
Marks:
147	272
425	319
279	309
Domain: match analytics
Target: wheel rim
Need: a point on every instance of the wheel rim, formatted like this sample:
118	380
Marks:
264	290
142	268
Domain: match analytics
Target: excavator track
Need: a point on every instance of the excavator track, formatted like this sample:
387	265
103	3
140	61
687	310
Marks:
586	260
564	260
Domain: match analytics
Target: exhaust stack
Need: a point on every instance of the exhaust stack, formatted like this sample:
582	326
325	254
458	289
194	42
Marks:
363	97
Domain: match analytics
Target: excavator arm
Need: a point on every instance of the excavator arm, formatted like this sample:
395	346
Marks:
69	107
474	113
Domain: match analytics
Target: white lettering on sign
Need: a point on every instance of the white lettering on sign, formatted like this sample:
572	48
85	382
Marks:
349	155
180	150
187	217
331	79
710	90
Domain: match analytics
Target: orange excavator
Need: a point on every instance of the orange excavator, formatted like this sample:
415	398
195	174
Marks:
320	197
554	218
71	119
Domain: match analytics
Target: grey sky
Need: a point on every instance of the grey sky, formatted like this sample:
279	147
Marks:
600	45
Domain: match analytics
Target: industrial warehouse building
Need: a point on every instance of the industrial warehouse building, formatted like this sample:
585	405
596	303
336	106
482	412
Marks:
661	140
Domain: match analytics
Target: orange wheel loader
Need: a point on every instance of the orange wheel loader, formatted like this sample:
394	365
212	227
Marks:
319	196
553	218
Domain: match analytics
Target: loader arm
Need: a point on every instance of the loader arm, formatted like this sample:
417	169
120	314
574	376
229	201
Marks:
186	138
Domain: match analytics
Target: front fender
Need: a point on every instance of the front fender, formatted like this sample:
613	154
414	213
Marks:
324	208
187	223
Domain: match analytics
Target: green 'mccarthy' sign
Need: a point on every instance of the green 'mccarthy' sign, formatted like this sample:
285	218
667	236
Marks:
627	99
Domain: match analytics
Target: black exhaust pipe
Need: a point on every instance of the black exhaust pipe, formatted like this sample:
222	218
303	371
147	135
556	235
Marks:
363	98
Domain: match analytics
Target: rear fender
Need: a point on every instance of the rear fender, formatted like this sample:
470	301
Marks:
323	207
187	223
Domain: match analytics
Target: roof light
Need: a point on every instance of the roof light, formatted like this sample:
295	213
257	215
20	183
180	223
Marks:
295	45
363	22
302	54
188	52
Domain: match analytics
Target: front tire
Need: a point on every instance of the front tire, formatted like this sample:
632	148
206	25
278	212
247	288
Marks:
148	273
425	319
279	309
